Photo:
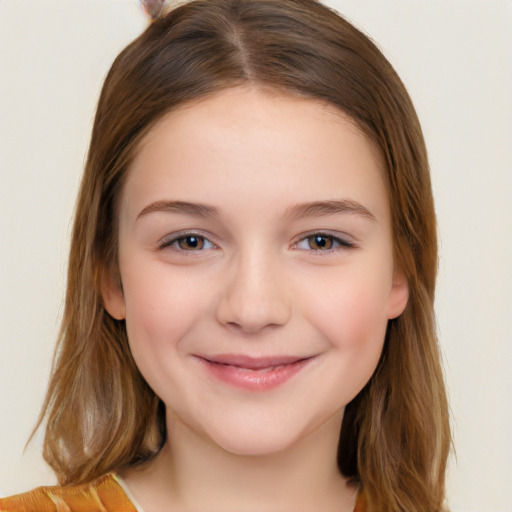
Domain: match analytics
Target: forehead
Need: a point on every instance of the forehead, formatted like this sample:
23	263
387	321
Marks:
254	107
251	142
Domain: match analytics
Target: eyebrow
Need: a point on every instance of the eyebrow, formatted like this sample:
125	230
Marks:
324	208
195	209
299	211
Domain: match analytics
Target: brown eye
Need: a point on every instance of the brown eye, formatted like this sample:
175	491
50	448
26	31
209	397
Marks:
191	243
323	243
187	243
320	242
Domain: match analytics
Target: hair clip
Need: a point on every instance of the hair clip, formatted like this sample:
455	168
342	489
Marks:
152	8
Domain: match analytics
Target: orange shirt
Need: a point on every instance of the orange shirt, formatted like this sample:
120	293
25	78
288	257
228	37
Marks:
102	495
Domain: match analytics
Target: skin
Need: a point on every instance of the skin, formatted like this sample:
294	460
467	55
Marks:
261	276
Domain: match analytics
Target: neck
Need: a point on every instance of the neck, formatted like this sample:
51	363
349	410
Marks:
194	473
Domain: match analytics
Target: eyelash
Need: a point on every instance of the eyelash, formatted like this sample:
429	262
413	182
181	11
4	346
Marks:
337	243
175	241
332	242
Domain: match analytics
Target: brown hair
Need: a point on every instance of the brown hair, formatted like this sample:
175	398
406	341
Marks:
100	414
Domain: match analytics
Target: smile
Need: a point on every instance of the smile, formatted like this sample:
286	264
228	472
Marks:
255	374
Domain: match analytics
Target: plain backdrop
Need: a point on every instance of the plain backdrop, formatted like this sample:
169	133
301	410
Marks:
455	57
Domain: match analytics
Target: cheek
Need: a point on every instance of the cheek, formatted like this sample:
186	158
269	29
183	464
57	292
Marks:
356	337
352	320
160	310
355	325
354	311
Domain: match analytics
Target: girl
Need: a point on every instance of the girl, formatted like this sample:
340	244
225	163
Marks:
249	313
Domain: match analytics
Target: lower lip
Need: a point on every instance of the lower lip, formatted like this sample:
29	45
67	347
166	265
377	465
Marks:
254	380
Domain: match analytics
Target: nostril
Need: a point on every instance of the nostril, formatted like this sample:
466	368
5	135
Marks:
254	295
252	318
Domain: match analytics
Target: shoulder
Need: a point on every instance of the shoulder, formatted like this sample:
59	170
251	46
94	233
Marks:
104	494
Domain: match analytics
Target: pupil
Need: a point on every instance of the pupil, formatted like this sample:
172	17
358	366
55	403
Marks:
320	241
192	241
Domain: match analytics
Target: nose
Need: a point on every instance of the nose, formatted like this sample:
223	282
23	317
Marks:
254	296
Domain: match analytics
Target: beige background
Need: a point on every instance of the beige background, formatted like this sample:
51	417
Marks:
456	59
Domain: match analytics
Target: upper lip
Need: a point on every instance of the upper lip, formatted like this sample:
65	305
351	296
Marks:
251	362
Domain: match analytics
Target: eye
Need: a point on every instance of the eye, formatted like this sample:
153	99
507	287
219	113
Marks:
189	242
323	242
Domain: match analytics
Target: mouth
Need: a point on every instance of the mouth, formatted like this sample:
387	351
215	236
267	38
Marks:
253	373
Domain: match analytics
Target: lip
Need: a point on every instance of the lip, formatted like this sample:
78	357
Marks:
253	373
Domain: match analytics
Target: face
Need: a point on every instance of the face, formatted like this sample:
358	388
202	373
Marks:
256	261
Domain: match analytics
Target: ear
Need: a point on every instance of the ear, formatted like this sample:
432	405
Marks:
112	294
399	294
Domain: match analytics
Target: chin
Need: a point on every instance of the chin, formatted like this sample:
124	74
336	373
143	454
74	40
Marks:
256	445
261	438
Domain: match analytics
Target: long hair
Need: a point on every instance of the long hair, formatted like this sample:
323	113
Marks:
100	414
